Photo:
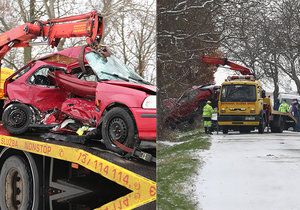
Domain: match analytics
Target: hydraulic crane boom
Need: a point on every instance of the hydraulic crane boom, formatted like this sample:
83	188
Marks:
88	25
225	62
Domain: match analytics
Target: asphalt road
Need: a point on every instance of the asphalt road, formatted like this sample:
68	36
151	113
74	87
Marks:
250	171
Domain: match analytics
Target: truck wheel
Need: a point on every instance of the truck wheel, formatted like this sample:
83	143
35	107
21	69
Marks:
262	126
16	118
16	185
281	125
278	126
118	125
245	130
225	131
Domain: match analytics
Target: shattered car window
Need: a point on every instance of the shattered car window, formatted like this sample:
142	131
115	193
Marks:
111	68
89	78
41	77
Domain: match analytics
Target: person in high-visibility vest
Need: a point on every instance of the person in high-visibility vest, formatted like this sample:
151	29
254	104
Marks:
284	107
207	114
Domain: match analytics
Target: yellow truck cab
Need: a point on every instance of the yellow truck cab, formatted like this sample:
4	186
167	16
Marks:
241	104
4	74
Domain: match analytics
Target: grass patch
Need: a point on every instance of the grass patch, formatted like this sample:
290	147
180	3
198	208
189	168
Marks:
176	166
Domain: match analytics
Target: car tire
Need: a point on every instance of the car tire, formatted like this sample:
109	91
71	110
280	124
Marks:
170	124
17	118
191	120
119	125
16	184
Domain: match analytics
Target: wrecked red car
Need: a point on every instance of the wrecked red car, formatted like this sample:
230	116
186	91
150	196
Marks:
80	90
189	104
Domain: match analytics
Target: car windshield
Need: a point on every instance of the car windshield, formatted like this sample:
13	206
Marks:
238	93
111	68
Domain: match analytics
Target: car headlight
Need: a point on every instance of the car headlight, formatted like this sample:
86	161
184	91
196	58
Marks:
149	102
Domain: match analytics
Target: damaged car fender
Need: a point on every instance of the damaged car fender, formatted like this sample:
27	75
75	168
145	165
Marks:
132	97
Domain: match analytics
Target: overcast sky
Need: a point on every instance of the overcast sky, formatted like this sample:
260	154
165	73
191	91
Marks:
222	73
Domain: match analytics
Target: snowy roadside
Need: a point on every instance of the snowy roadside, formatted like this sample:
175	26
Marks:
177	165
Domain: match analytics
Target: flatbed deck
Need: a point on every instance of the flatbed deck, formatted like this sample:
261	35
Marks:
136	175
289	116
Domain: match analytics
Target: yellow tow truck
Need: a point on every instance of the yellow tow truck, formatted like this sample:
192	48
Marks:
243	105
5	73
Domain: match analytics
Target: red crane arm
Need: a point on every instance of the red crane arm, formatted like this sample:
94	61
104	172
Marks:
88	25
225	62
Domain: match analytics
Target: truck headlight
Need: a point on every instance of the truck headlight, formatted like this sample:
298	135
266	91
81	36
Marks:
149	102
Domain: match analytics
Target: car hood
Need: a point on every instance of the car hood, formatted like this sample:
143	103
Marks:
146	88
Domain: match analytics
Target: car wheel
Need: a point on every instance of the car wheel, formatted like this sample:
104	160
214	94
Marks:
17	118
118	125
170	124
16	184
191	120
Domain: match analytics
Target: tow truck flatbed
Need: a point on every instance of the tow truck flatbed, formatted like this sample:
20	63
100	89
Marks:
135	175
289	116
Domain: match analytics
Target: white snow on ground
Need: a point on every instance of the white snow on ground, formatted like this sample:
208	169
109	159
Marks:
170	143
252	171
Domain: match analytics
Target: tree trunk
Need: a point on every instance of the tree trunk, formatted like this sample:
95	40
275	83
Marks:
276	90
275	78
27	54
61	44
28	50
297	82
295	77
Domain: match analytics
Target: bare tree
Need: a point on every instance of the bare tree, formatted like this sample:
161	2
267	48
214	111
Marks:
136	33
186	30
135	43
264	35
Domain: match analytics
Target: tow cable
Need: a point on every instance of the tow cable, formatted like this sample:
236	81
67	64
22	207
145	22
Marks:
135	152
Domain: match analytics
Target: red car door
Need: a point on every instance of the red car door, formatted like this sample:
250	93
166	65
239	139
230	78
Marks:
45	94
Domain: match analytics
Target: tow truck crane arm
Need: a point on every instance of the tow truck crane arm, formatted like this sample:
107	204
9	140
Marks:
225	62
88	25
